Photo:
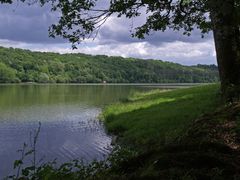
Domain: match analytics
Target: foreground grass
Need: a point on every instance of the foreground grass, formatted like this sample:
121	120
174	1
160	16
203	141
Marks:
182	134
156	118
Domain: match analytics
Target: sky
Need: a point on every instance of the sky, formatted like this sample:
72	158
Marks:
26	27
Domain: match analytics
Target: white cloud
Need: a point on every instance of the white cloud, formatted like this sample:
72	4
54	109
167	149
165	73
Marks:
25	27
181	52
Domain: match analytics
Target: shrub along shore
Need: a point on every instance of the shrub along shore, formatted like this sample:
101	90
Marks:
178	134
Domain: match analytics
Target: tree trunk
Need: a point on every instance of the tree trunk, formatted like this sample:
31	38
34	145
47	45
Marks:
227	43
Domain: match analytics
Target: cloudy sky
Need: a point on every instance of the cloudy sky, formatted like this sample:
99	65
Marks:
26	27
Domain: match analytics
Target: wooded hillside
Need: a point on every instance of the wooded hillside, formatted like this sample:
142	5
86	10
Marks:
18	65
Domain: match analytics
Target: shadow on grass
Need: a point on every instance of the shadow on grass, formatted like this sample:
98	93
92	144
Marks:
159	118
208	149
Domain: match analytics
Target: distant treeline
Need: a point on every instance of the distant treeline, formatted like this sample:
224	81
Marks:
18	65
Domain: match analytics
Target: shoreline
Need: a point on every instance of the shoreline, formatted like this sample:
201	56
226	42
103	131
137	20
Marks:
111	84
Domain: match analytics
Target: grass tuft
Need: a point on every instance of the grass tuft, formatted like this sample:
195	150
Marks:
156	117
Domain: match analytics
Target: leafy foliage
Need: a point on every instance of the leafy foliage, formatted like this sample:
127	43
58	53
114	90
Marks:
25	66
82	19
7	74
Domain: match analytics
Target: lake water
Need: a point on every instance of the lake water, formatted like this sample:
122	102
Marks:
68	115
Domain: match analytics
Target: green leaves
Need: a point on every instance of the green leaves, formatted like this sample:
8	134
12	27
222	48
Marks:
82	68
17	163
26	171
7	74
82	19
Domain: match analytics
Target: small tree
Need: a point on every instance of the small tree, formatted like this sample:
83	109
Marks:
43	78
80	19
7	75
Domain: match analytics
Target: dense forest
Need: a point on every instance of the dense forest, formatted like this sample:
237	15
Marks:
18	65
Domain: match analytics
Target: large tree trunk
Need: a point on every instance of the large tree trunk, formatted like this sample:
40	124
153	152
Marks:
227	42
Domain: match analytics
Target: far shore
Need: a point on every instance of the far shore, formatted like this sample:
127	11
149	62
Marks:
111	84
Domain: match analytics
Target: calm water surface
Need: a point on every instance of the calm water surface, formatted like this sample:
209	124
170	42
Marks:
68	114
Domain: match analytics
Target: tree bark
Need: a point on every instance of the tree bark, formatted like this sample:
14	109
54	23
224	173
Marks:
227	43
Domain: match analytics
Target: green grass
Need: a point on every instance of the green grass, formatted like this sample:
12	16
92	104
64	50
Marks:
156	118
169	142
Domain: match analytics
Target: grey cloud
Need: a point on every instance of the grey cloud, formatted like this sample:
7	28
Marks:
27	27
180	52
30	24
122	34
26	23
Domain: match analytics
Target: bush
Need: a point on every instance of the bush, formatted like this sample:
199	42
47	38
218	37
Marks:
7	74
43	78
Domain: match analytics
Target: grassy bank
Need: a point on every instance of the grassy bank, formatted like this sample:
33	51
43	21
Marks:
159	117
183	134
179	134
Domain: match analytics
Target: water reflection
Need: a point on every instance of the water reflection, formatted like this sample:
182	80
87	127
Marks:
68	113
26	95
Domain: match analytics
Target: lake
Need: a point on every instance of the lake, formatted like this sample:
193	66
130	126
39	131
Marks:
68	114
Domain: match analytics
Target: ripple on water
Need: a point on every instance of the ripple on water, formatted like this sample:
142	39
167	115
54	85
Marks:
73	134
68	116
